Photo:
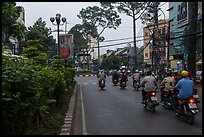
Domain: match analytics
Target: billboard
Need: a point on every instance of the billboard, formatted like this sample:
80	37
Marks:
66	46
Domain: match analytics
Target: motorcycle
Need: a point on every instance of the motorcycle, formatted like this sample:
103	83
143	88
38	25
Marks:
102	84
150	101
115	81
187	109
123	84
195	95
167	100
136	85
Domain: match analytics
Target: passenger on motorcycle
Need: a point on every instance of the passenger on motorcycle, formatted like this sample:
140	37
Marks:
136	77
149	83
168	83
185	87
101	76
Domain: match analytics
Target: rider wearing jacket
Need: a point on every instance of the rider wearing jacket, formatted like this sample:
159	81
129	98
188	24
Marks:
185	87
123	77
115	75
101	76
149	83
136	77
168	83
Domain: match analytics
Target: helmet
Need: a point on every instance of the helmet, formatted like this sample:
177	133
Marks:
136	71
184	73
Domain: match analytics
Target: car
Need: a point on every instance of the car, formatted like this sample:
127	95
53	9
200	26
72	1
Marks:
199	76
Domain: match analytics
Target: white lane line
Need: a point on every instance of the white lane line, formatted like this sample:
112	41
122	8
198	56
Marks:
83	114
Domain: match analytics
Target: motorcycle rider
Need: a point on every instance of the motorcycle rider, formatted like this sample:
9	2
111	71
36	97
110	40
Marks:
115	75
101	76
149	83
168	83
136	77
123	77
185	87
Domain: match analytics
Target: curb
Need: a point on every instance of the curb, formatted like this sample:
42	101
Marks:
85	75
69	116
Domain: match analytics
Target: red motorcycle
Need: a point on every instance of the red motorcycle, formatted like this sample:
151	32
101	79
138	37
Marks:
102	84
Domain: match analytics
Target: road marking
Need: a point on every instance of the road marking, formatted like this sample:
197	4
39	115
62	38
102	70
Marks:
85	83
83	114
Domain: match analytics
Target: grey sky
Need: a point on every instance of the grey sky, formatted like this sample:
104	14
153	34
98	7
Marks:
70	10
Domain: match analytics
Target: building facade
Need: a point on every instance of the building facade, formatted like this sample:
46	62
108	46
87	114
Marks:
155	55
179	26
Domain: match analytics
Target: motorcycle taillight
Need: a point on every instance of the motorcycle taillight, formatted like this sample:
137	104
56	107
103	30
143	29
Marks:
191	100
153	93
102	81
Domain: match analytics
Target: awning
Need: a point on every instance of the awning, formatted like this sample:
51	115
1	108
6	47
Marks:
199	62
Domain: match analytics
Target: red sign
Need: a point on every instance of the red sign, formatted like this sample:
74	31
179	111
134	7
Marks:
65	52
66	45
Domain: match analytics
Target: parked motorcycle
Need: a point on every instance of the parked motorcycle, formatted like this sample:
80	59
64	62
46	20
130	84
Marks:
136	85
187	109
195	95
150	101
102	84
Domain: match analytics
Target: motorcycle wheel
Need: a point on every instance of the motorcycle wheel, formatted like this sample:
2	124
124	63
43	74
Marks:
153	109
102	87
190	117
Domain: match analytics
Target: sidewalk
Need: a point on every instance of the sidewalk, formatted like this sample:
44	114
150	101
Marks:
199	88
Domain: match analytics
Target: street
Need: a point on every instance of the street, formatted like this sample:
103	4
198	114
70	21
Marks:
113	111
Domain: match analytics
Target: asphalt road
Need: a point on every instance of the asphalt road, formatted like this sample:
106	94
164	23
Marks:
113	111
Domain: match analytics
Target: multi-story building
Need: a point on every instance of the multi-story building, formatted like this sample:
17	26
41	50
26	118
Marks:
14	40
159	58
179	26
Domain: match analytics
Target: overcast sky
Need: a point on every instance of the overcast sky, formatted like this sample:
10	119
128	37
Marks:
70	10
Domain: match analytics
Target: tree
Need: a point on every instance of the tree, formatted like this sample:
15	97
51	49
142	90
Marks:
34	51
131	9
40	32
82	34
10	13
100	17
110	62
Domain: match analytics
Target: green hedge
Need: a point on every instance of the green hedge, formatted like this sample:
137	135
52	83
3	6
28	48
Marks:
31	93
83	72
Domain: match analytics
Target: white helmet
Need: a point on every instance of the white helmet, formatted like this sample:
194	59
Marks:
136	70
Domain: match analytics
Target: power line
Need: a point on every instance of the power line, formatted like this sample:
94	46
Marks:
163	4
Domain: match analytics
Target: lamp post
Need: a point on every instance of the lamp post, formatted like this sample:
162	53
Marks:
58	21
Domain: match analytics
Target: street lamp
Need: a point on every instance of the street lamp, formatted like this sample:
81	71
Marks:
58	21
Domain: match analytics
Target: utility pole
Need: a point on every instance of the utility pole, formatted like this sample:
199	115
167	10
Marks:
155	16
168	44
134	34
